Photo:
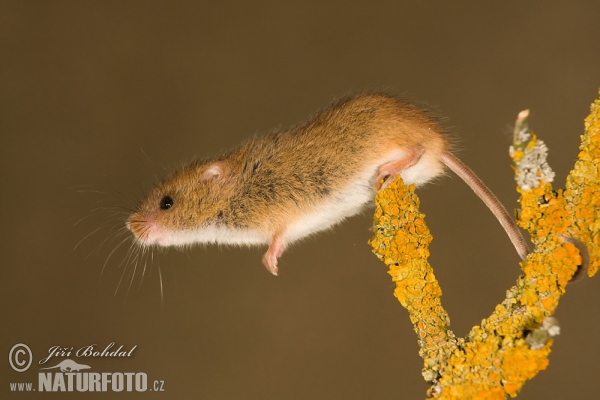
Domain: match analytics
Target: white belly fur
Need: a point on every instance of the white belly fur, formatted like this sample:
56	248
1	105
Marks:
350	201
213	234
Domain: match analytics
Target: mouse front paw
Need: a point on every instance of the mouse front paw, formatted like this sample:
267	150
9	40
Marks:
271	256
270	261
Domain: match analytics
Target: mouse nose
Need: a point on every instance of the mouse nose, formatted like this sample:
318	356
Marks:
129	224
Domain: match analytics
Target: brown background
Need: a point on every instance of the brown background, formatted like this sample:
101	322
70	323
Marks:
88	89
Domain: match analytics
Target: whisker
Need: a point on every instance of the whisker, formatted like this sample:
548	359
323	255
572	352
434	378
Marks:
92	214
136	260
175	278
124	263
140	192
161	287
111	253
90	234
112	235
152	161
118	229
144	269
91	189
120	280
113	209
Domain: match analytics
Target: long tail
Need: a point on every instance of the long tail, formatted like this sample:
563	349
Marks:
490	200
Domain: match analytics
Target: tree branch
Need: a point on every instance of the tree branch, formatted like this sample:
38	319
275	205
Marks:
512	345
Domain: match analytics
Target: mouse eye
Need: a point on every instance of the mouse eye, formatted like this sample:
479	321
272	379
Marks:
166	203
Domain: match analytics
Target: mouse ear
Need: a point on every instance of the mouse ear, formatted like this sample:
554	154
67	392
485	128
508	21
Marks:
213	172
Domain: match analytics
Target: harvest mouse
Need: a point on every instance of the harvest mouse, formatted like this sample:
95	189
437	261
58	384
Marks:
286	185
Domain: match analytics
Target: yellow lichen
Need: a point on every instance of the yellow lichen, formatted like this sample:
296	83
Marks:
404	248
511	345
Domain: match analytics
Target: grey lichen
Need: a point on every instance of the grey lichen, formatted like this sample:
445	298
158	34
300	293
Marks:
530	155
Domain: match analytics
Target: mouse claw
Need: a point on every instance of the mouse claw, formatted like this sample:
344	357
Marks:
271	263
270	257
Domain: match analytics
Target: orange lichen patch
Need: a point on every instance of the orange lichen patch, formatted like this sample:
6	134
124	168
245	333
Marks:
518	155
520	363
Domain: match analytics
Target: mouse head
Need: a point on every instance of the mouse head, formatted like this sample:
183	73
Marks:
188	200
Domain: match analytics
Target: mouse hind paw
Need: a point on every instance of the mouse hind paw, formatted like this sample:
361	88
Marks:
388	171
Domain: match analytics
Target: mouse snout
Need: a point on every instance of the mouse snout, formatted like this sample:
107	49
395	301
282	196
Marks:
141	226
146	230
133	221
